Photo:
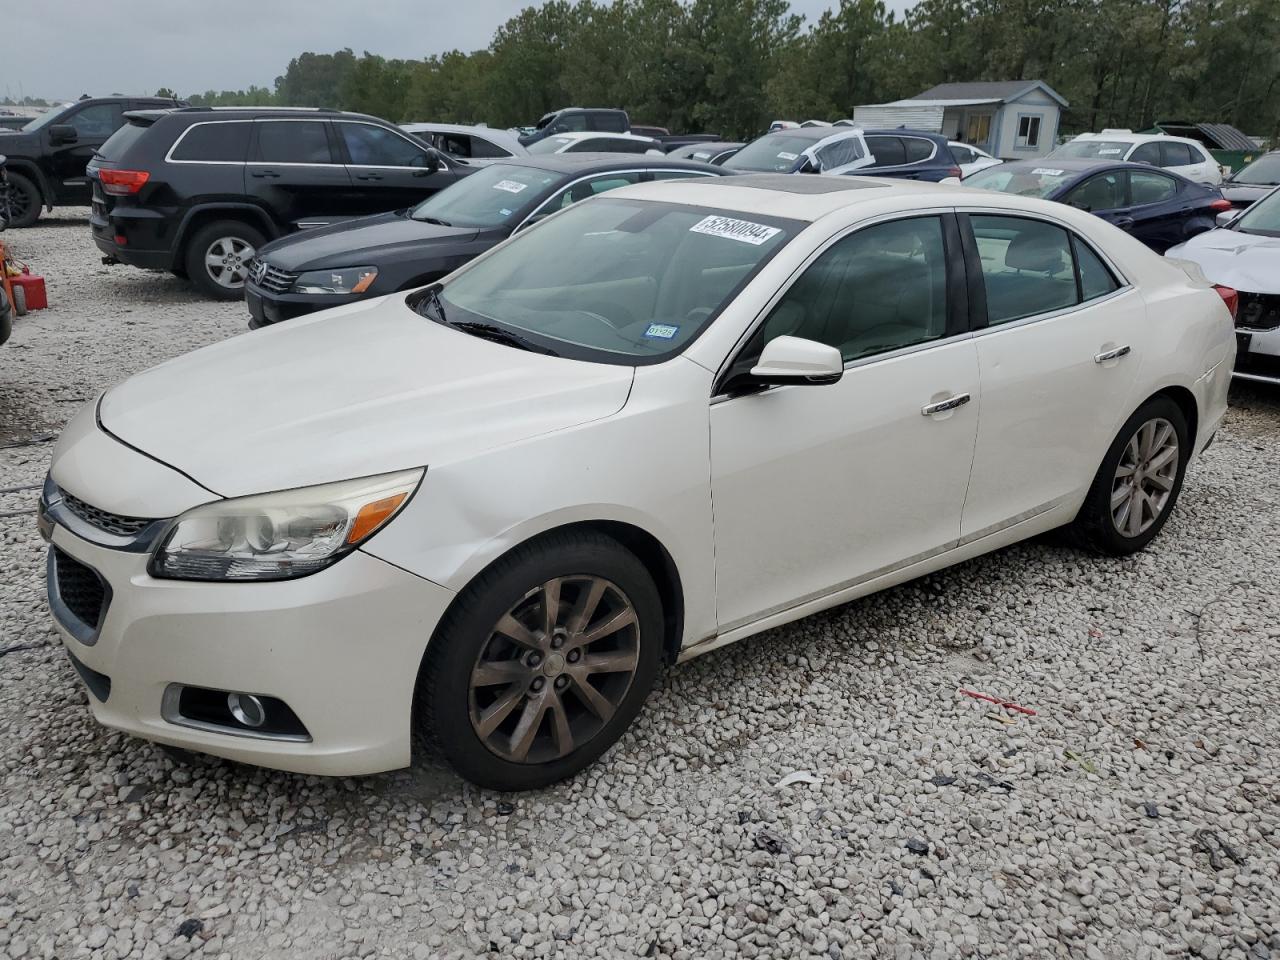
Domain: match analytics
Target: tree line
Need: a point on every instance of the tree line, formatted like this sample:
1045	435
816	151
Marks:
732	66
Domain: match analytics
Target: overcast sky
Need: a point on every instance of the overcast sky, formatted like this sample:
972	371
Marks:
59	49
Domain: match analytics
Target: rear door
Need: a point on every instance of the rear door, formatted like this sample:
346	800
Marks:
293	172
93	125
388	169
906	158
1157	210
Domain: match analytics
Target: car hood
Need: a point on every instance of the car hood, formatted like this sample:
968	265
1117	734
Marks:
359	243
1246	261
358	390
1245	192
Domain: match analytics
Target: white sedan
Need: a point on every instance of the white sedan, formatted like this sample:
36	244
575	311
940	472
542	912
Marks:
971	159
661	421
596	142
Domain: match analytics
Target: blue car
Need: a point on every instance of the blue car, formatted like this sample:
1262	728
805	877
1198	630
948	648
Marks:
901	153
1158	207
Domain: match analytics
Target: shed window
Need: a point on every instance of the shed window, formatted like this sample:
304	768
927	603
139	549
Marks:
1028	132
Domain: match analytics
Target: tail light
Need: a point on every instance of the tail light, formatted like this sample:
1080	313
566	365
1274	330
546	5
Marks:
955	172
1218	206
1230	297
122	183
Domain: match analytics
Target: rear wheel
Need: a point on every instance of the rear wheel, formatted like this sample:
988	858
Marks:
543	663
218	255
19	301
24	200
1137	486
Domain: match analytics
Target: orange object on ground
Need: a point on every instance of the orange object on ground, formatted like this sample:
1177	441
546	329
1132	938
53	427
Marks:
33	286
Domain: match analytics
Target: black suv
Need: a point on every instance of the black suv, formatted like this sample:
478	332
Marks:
196	191
575	119
47	157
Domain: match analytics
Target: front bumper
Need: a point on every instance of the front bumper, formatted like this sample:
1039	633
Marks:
341	648
267	307
1258	355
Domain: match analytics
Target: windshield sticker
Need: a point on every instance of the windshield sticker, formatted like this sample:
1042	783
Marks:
505	212
701	156
1110	151
511	186
1046	172
743	231
788	156
661	331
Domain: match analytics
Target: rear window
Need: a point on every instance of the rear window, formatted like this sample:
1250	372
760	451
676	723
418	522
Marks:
120	142
293	141
222	142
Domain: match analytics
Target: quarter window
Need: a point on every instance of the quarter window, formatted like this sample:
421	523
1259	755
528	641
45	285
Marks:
880	289
917	149
370	146
224	142
1150	187
1095	279
482	149
1028	132
293	141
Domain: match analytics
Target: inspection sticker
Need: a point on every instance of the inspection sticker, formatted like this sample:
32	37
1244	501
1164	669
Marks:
661	331
511	186
1110	152
788	156
731	229
1046	172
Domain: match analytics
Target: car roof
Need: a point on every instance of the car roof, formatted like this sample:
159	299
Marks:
1073	164
1126	136
594	134
583	163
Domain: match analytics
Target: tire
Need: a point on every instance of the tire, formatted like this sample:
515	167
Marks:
538	680
19	301
1120	532
233	242
24	200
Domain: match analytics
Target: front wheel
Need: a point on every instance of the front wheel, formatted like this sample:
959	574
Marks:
1136	487
543	662
24	200
218	255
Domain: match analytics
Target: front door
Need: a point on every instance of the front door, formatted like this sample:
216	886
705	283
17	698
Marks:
1058	356
817	488
389	170
93	124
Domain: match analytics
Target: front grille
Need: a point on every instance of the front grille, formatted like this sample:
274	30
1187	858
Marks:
79	588
270	278
111	523
1258	311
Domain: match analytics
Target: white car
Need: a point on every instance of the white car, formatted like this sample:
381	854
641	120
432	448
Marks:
478	145
971	159
1244	255
660	421
592	141
1187	157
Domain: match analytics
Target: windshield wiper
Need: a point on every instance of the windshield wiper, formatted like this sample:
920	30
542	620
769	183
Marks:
436	220
489	331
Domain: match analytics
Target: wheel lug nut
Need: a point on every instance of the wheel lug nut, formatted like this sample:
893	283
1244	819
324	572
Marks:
538	683
574	656
561	682
557	642
534	659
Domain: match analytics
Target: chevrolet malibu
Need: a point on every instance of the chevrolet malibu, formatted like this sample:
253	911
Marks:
662	420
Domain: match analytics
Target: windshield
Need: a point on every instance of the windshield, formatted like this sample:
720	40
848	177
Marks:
1262	217
1025	181
1264	171
46	118
550	145
616	280
776	153
492	196
1093	150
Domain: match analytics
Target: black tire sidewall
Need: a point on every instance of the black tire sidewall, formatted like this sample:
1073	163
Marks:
444	692
199	242
18	183
1094	522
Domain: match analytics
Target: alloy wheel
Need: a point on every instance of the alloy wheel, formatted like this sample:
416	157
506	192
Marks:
1145	477
227	261
554	669
18	202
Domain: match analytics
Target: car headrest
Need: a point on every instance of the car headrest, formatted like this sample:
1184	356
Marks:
1039	250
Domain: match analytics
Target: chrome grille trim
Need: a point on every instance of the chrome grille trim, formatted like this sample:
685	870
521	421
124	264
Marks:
269	277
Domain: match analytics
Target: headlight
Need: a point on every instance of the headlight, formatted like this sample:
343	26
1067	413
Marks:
342	280
278	536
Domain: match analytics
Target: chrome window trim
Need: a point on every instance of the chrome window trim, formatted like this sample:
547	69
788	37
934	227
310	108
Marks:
168	157
903	136
407	138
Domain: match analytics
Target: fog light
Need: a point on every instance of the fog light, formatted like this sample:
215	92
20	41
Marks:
247	709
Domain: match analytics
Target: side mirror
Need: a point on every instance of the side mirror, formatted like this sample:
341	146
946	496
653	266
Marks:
809	166
796	360
1226	218
63	133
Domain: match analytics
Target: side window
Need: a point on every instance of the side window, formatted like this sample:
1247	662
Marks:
292	141
677	174
1028	132
373	146
223	142
1176	155
1095	279
609	121
1026	266
589	188
917	149
842	152
1103	192
876	290
570	123
1147	153
97	121
887	151
483	149
592	145
1150	187
963	155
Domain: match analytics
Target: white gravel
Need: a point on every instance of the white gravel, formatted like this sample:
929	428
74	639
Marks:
1072	833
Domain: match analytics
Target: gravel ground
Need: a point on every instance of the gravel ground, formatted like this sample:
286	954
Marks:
939	827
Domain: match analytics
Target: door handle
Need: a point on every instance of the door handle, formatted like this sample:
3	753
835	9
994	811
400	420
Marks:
368	176
265	173
1115	354
942	406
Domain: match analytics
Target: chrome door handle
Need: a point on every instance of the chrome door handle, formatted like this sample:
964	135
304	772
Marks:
942	406
1115	354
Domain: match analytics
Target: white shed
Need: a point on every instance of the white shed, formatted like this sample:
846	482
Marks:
1011	119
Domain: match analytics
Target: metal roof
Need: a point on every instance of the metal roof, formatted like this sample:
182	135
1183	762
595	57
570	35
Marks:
1218	136
987	91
